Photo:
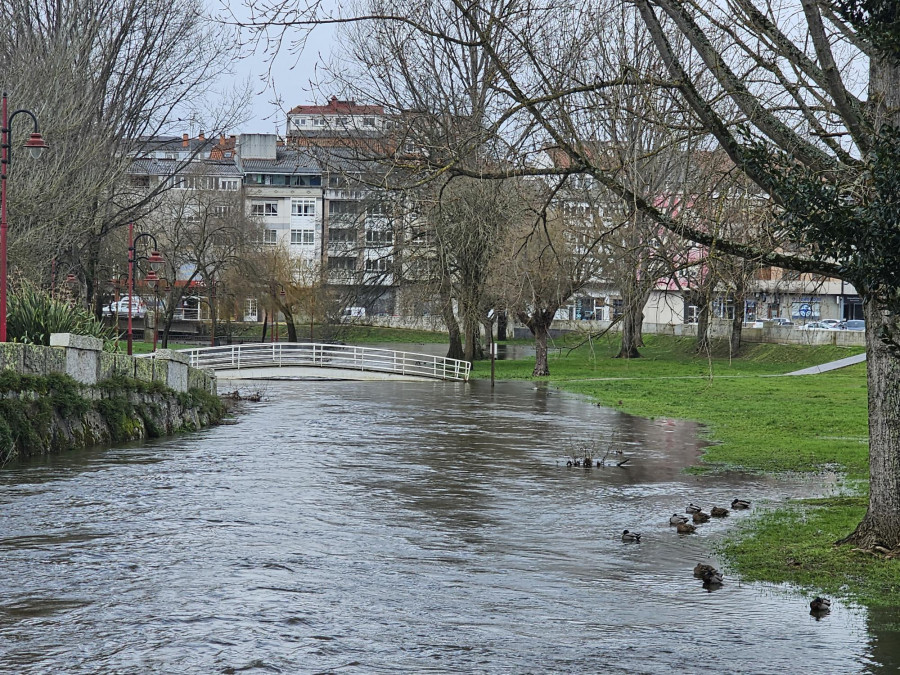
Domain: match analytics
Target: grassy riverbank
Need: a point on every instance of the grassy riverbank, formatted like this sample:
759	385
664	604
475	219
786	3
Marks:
760	423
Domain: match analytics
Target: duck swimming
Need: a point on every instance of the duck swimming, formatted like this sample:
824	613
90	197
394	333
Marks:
820	605
692	509
631	536
740	504
718	512
685	528
700	517
677	518
712	577
702	569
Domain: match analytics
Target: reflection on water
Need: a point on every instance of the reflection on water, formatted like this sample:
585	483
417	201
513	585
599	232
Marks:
402	527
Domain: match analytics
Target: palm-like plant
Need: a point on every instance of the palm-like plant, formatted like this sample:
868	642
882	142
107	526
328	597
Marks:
32	315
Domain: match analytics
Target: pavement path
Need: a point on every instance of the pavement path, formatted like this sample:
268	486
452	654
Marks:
832	365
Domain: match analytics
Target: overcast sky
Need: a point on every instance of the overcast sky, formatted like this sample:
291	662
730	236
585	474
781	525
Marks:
290	77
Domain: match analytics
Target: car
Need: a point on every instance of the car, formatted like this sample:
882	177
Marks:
831	322
852	324
815	325
781	321
138	308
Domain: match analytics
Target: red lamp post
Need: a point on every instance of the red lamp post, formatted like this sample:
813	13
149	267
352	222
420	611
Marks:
35	145
154	259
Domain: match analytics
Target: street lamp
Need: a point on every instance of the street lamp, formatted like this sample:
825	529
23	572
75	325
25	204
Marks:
155	260
35	145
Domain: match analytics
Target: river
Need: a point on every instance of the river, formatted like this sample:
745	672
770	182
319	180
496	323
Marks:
366	527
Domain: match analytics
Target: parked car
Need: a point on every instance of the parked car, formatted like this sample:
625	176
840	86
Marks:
831	322
816	325
852	324
138	308
781	321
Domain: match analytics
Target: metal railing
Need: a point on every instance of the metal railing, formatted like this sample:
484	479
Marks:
348	357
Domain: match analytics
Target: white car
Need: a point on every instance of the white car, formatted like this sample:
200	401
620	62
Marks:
138	308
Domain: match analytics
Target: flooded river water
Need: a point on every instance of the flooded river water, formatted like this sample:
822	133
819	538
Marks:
348	527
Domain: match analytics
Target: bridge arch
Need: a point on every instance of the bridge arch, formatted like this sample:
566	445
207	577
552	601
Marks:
316	359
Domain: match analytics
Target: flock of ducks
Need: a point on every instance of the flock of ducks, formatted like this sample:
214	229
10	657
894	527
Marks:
696	513
711	577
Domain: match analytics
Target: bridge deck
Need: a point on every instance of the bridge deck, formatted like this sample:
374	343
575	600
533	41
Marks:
247	360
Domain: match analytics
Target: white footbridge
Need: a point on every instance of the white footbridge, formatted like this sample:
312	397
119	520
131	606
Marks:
314	360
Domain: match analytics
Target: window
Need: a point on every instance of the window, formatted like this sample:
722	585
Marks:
303	208
618	308
306	237
264	209
229	183
139	181
379	237
341	236
368	121
377	264
337	208
339	263
251	310
221	209
270	237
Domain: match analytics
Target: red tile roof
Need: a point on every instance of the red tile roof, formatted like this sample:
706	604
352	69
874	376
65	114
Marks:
337	107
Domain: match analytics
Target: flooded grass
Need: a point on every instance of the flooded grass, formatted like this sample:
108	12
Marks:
797	545
759	423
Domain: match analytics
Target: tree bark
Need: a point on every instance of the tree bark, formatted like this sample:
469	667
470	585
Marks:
631	336
539	324
881	525
702	323
737	323
455	349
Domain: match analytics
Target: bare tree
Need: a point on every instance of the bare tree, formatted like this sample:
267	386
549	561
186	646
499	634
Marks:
104	77
818	100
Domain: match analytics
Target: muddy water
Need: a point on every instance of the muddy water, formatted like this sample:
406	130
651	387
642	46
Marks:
397	527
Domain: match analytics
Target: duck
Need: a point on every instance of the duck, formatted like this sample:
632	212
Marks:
677	518
692	509
702	569
700	517
631	536
712	577
718	512
569	463
740	504
820	605
685	528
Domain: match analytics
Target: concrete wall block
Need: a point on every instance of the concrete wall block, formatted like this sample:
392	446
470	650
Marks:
38	360
76	341
83	365
172	355
12	356
177	376
142	369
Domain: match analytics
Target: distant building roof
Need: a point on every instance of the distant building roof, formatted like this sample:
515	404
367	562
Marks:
287	161
151	166
337	107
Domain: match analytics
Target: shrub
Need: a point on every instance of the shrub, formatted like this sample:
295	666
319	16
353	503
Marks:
32	315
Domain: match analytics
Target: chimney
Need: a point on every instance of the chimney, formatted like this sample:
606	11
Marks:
201	137
184	141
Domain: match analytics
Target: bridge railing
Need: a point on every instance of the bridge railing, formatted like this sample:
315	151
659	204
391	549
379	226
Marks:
348	357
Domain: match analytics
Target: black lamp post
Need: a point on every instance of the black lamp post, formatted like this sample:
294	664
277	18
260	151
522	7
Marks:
35	145
156	261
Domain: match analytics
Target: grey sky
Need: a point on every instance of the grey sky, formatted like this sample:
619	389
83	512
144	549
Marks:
290	75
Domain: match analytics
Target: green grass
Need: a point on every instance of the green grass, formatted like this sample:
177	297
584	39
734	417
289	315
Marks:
796	545
147	347
364	334
758	423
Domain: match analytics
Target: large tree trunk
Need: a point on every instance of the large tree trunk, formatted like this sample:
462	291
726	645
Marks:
473	348
881	525
455	349
737	323
702	323
631	336
539	324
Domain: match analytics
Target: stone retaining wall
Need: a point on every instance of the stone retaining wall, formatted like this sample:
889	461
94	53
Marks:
83	359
